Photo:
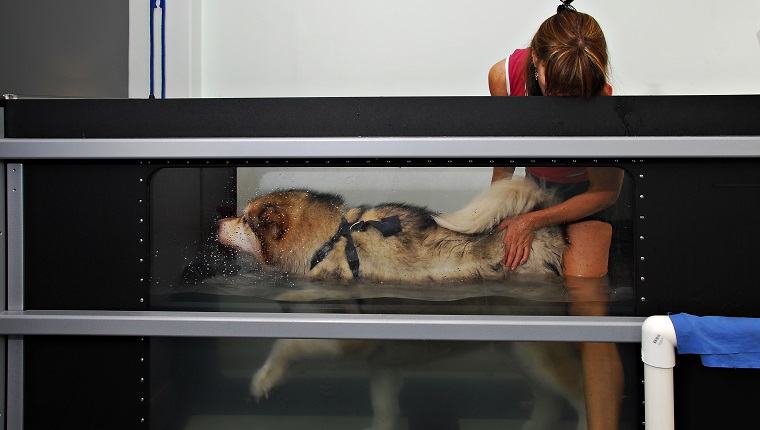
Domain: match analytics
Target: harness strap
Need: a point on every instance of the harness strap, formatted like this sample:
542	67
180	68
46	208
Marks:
386	226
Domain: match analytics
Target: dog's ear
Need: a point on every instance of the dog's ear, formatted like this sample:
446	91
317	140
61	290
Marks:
270	221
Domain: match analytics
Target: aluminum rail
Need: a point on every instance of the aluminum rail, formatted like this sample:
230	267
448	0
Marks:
309	325
399	147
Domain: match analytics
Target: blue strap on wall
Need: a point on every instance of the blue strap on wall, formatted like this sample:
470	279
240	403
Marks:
160	4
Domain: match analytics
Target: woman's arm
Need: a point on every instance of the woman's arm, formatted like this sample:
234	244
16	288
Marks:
497	79
604	189
501	173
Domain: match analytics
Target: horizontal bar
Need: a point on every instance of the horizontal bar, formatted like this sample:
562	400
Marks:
423	147
328	326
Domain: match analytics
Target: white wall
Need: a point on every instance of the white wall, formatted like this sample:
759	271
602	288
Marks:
295	48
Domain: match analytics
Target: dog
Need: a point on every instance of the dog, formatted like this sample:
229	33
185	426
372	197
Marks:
311	235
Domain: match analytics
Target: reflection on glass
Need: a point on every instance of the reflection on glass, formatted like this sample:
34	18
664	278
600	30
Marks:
356	384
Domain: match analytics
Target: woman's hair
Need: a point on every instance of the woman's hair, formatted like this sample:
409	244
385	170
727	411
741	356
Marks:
572	48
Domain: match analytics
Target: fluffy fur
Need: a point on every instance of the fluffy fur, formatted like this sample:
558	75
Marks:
284	230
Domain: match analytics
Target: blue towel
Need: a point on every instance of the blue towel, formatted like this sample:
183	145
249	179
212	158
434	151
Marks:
721	341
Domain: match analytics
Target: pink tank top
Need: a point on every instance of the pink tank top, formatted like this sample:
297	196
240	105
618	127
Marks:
563	175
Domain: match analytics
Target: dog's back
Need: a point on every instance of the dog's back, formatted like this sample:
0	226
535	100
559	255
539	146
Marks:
451	247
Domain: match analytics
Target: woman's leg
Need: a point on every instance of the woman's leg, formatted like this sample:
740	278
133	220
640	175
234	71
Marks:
585	270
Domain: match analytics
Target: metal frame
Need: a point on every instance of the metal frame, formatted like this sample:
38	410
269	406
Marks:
16	323
387	147
332	326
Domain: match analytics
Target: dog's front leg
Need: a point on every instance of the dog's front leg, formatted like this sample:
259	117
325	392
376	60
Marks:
283	353
385	387
287	351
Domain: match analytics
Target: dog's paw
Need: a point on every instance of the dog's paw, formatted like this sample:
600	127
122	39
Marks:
261	383
264	381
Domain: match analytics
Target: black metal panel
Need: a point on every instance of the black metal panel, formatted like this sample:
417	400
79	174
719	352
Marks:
390	116
85	383
698	237
85	236
709	398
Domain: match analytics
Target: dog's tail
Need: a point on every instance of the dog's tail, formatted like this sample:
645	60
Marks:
504	199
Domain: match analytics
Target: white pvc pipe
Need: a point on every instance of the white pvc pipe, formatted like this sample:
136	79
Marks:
658	344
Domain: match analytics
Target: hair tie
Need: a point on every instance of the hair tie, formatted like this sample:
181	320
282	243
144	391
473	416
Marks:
565	6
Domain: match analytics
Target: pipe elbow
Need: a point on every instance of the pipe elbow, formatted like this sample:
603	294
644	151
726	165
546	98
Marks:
658	342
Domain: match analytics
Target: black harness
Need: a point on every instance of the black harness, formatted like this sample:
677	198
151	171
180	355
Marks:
387	226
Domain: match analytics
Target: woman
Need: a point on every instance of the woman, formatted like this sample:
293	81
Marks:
568	57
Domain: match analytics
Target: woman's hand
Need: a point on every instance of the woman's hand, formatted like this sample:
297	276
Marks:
518	237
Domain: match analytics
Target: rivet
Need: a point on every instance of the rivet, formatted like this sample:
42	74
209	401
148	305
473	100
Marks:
641	237
643	299
642	258
641	176
142	300
642	279
641	196
641	216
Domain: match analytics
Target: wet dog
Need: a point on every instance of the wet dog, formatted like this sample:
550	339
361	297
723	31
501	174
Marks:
311	234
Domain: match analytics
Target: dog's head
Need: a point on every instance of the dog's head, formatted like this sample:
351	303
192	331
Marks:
283	228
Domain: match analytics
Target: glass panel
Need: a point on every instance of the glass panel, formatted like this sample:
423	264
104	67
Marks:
346	384
291	252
